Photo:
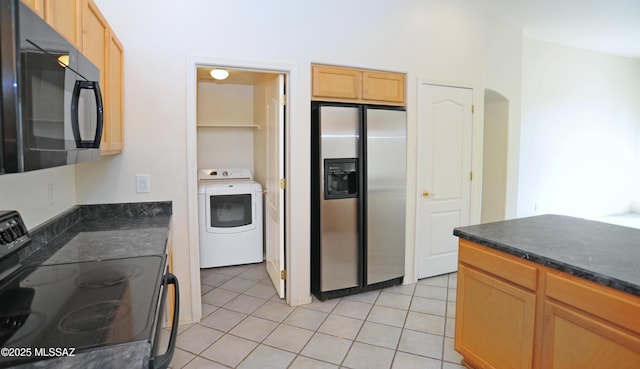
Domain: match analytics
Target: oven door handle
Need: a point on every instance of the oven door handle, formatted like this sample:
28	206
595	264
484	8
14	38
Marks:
163	361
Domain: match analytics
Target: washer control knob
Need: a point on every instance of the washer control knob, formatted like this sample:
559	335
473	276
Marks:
225	173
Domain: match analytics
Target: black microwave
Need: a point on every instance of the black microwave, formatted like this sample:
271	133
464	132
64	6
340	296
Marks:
51	107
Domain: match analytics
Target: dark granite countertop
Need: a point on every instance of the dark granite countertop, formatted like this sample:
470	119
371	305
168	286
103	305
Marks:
95	233
604	253
100	232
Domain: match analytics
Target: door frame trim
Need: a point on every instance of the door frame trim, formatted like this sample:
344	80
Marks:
291	88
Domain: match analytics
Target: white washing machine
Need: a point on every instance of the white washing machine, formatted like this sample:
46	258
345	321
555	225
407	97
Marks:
230	217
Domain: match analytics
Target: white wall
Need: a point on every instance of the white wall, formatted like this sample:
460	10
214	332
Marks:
503	74
224	104
635	204
439	40
580	121
225	147
28	193
228	105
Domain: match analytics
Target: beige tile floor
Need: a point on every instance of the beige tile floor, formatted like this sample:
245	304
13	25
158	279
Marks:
245	325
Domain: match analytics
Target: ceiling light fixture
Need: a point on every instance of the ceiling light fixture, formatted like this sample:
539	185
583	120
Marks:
219	74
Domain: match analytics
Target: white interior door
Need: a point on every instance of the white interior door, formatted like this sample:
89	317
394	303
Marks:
444	175
274	199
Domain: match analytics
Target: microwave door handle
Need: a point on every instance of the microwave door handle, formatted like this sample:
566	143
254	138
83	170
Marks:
75	124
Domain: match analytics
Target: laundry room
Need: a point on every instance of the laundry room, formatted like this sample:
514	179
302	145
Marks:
240	155
231	120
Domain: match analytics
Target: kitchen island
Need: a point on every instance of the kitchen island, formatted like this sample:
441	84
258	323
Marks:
548	291
86	260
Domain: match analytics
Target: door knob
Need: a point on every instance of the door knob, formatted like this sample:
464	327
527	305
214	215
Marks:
426	193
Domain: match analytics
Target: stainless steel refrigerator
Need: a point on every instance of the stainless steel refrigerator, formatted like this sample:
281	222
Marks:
358	197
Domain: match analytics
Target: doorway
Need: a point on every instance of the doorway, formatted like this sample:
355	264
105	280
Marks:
494	157
239	122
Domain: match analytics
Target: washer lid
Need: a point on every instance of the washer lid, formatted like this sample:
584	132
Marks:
222	174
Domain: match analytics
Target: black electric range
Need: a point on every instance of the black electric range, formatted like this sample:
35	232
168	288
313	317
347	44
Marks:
78	306
54	310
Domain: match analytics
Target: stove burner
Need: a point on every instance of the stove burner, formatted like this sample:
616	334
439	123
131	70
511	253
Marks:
96	316
108	276
44	276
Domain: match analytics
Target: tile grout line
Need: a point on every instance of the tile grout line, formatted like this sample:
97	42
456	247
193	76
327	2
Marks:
299	353
404	323
359	330
328	313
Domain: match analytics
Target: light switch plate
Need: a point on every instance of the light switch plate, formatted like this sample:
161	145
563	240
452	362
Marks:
142	183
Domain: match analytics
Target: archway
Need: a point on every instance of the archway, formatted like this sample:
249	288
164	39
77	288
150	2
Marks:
495	150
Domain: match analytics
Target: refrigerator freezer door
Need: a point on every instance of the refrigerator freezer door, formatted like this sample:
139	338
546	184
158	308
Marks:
386	159
339	240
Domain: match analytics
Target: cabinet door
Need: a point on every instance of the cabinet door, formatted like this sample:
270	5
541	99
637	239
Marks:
576	340
115	98
383	87
171	292
95	37
494	321
587	325
36	5
65	16
336	83
95	41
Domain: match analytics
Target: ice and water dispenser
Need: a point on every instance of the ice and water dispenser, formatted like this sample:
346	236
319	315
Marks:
341	178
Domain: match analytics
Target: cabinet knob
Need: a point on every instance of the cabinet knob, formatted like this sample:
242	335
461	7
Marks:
426	193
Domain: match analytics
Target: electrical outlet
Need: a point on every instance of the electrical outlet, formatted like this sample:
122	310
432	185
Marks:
142	183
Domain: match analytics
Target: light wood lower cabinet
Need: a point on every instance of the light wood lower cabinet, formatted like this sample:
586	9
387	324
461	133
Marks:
512	313
589	326
171	292
498	321
495	309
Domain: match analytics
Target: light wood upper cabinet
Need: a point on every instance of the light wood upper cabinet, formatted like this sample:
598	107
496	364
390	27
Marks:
330	83
66	17
114	98
95	37
336	82
36	5
102	47
383	87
